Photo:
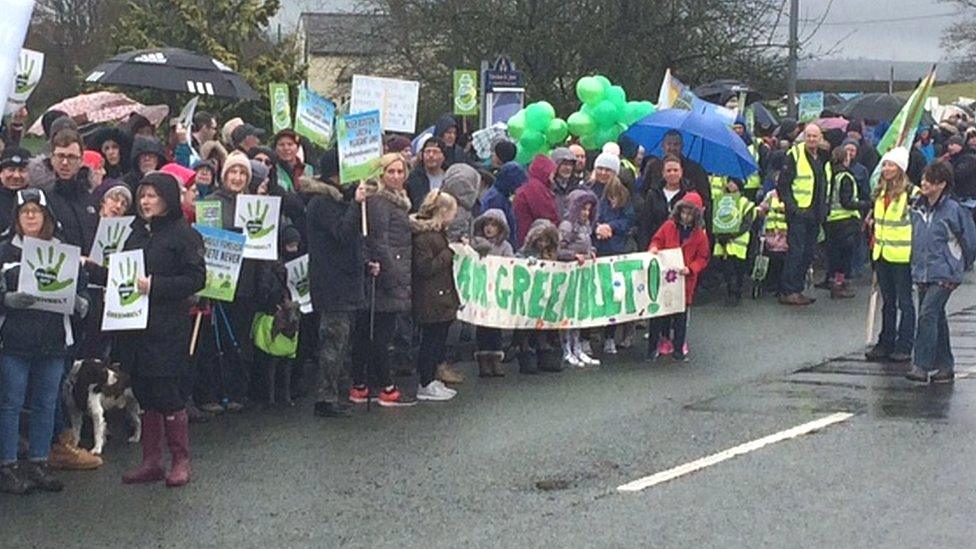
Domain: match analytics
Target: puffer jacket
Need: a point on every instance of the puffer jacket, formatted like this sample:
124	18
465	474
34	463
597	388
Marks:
576	235
462	182
389	243
943	241
435	297
499	244
535	200
693	242
335	252
509	178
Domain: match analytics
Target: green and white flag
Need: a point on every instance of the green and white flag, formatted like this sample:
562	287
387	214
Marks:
280	106
125	307
515	293
49	272
903	128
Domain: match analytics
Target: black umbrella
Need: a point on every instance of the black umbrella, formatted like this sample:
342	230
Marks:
882	107
764	118
173	69
720	91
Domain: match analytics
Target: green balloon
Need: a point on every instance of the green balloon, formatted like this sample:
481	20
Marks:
549	109
588	142
617	96
581	123
606	135
532	141
523	156
589	90
537	116
605	114
516	125
557	132
604	82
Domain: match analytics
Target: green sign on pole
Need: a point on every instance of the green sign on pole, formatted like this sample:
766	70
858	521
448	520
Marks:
280	106
465	93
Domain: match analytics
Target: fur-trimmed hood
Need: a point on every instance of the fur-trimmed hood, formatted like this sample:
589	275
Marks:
496	216
397	198
577	200
542	236
425	225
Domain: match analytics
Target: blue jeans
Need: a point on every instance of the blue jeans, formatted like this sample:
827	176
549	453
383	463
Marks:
44	374
932	348
801	237
895	283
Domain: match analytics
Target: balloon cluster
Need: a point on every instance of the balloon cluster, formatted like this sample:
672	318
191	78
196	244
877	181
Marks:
605	113
536	129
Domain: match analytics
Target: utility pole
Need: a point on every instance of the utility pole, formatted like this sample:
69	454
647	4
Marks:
794	51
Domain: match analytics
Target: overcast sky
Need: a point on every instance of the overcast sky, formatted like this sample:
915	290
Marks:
890	30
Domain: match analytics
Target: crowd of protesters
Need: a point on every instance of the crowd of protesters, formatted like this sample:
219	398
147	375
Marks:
385	303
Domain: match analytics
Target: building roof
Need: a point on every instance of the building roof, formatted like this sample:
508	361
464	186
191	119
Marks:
869	70
341	33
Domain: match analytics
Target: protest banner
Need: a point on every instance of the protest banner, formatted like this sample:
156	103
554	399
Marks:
223	254
466	93
811	105
676	95
210	213
111	234
125	307
360	140
259	216
395	99
30	67
298	283
515	293
49	272
314	117
280	106
16	19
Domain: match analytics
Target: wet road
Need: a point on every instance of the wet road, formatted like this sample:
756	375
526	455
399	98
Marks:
537	461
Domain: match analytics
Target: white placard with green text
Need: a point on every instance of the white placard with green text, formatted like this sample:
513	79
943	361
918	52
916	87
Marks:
49	272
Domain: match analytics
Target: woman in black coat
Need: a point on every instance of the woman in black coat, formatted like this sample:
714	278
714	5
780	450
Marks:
158	357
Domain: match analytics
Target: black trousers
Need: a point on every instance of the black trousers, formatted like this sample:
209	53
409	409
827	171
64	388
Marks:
841	239
489	339
159	394
371	356
433	349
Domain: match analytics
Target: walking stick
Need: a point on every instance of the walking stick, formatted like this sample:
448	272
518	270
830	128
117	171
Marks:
872	311
196	333
372	324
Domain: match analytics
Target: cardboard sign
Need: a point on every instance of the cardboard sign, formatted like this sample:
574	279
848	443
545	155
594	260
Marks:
111	234
125	307
811	105
260	217
223	254
314	117
210	213
49	272
395	99
466	93
280	106
360	140
30	67
515	293
298	283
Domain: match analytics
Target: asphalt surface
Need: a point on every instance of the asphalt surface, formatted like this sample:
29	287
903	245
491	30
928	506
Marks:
535	461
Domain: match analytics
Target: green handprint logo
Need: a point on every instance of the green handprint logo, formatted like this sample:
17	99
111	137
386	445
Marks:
300	276
254	222
112	243
46	271
25	68
223	281
126	283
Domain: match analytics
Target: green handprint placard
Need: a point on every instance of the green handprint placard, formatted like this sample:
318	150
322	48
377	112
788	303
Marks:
126	308
223	252
49	272
298	284
259	216
30	66
110	237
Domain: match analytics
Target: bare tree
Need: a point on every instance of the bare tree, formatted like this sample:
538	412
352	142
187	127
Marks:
959	40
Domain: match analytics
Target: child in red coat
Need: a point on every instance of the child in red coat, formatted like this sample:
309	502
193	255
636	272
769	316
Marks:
684	230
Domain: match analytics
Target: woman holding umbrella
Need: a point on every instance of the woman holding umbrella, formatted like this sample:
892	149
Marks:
157	357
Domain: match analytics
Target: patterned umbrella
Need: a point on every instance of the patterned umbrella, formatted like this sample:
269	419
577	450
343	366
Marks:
100	107
173	69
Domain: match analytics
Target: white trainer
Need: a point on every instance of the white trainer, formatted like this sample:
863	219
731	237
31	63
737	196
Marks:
610	346
587	360
444	388
432	392
571	359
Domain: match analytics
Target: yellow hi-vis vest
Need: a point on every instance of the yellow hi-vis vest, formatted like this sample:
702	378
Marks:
804	177
717	185
892	230
737	247
776	216
837	211
754	181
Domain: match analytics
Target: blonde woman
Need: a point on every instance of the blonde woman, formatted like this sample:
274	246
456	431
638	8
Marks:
892	256
435	299
389	247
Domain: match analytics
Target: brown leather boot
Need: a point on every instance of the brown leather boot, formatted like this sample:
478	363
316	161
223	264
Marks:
447	374
65	455
838	290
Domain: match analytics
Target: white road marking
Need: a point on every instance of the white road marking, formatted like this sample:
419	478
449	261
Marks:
708	461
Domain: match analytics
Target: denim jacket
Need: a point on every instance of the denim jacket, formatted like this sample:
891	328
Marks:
943	241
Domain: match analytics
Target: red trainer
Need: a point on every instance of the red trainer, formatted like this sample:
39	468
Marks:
393	398
359	395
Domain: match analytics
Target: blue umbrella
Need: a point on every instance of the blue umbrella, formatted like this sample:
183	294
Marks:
707	140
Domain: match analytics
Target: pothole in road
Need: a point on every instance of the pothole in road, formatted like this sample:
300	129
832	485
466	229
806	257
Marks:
568	480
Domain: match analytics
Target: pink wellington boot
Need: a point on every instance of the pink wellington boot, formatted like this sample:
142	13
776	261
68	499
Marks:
151	469
664	346
178	439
